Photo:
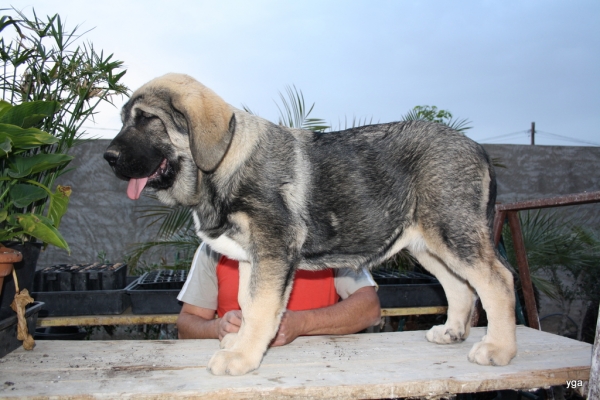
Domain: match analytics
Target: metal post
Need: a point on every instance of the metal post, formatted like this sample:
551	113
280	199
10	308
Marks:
533	133
498	224
526	285
594	383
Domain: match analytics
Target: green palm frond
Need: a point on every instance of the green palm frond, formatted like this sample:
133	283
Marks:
175	230
355	123
460	125
293	112
248	110
554	242
184	246
171	220
412	115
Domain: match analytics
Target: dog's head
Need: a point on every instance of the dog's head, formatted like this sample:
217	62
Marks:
173	126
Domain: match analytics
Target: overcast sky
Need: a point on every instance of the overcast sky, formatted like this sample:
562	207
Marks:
500	64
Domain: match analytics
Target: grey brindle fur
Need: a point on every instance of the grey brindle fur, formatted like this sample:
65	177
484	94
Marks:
279	199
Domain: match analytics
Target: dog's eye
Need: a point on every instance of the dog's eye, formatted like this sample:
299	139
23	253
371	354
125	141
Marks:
147	115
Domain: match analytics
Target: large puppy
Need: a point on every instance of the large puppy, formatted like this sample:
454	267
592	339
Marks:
279	199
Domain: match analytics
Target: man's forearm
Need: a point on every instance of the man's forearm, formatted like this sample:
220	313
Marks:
354	314
190	326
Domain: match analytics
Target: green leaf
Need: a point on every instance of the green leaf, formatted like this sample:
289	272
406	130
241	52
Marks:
58	204
23	194
433	114
5	146
25	139
4	107
41	228
24	166
26	114
3	215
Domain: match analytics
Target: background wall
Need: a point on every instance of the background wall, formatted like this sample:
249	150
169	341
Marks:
102	219
534	172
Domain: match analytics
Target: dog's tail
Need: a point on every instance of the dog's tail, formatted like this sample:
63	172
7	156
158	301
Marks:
492	191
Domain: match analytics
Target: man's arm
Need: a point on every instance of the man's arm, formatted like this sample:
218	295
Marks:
196	323
357	312
200	323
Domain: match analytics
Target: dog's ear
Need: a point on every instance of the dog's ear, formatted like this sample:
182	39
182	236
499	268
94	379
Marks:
209	122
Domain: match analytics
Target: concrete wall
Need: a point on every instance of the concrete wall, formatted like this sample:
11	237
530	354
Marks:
534	172
102	219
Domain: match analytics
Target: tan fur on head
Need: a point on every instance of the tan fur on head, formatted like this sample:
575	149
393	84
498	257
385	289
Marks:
207	115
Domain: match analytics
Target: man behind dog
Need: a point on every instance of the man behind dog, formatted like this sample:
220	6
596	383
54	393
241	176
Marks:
313	309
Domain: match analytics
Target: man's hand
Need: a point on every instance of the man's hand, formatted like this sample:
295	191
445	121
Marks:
358	311
230	323
289	329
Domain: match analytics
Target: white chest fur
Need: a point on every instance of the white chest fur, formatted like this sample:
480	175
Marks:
223	244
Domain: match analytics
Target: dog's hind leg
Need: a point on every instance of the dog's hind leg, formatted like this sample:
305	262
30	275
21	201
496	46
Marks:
493	282
496	291
262	304
460	296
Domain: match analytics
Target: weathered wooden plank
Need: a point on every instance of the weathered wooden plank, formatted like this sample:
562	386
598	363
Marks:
121	319
397	312
127	318
382	365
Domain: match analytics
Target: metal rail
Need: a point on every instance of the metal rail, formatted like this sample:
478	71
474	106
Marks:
509	212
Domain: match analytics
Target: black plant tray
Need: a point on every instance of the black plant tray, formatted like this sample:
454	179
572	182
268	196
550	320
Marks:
81	277
8	328
409	289
150	295
163	279
90	302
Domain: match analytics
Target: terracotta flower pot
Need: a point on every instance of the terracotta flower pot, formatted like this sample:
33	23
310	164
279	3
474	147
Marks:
7	258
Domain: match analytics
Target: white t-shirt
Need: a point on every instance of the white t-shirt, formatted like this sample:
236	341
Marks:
201	287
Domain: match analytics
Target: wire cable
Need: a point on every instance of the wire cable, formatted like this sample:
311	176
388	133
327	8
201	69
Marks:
504	136
566	138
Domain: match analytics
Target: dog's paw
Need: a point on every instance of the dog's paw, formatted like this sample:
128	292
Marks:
443	334
226	362
485	353
228	341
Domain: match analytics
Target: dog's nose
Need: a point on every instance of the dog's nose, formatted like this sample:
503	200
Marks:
111	155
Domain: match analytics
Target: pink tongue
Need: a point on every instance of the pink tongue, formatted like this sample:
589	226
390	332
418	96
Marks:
135	187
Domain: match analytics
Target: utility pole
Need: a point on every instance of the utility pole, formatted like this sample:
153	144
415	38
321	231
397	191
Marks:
533	133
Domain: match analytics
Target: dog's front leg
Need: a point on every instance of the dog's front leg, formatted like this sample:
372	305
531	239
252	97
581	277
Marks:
263	303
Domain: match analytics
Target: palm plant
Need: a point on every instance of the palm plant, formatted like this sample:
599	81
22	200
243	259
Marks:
293	112
175	231
354	123
554	243
557	248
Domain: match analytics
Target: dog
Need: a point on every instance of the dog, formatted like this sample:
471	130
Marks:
278	199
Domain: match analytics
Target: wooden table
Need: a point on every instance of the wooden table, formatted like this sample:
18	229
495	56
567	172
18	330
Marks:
128	318
381	365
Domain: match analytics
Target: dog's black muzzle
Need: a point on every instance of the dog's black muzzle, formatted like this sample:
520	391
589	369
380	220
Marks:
132	157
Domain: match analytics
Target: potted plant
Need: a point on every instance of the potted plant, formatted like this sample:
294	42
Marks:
23	163
50	87
7	258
